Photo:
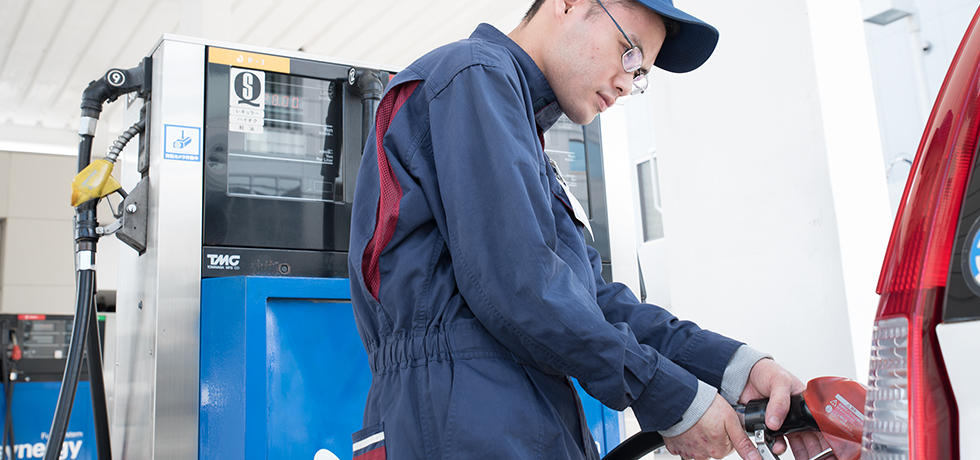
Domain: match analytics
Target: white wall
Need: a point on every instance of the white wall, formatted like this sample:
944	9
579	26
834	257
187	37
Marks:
642	148
898	81
776	213
786	78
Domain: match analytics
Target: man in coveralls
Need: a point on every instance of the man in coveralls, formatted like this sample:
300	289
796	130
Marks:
475	294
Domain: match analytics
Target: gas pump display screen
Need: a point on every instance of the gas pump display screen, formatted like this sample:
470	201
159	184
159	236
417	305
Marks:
282	148
284	136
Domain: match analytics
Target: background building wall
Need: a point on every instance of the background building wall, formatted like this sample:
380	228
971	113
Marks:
36	246
37	264
909	59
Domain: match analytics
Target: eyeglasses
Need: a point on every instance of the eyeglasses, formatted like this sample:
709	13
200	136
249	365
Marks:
632	59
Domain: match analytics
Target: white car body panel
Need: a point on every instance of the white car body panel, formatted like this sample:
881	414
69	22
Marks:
959	343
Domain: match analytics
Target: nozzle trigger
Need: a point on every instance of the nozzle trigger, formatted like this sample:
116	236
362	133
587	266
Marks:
764	444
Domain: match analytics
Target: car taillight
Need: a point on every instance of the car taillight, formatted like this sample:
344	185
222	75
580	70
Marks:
886	418
910	410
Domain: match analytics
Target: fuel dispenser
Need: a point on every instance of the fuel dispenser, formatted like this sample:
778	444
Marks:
235	335
35	349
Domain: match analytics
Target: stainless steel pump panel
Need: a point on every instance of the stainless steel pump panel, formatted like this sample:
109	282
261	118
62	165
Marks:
250	157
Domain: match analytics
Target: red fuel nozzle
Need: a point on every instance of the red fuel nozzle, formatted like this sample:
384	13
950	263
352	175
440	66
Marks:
837	404
832	405
15	353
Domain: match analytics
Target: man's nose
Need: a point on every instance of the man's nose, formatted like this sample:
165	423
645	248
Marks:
623	84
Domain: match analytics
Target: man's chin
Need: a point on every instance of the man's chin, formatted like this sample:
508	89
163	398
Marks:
582	119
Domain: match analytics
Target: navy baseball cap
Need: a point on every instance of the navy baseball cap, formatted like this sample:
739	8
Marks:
693	44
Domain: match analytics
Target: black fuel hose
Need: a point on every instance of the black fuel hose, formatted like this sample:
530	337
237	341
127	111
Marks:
115	83
370	88
85	243
636	446
97	386
85	294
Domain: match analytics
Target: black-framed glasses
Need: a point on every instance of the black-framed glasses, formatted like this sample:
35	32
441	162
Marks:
632	59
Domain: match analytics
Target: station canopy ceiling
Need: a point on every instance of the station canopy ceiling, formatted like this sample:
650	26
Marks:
51	49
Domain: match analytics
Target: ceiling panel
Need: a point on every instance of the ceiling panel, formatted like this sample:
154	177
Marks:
319	20
165	17
275	21
13	18
364	39
59	60
110	33
29	48
247	15
51	49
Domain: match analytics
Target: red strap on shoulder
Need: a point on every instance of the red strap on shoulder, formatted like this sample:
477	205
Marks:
391	191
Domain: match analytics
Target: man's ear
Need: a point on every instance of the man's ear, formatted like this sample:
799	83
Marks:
564	7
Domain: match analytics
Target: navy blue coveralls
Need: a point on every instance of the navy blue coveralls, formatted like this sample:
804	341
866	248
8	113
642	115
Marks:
488	298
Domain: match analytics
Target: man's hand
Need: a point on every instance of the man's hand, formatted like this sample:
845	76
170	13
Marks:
769	380
715	434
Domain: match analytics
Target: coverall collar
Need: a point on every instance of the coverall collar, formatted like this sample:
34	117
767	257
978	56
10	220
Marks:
546	109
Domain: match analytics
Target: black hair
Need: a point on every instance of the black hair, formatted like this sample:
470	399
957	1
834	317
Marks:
672	26
533	10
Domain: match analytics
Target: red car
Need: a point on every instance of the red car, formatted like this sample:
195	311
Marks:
922	400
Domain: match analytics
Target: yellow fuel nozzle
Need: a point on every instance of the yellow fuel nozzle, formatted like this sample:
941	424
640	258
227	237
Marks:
95	181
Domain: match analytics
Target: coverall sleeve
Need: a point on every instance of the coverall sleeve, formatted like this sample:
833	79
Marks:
701	352
504	246
722	365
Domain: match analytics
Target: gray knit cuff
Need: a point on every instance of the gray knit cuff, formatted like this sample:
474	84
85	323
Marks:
737	372
704	398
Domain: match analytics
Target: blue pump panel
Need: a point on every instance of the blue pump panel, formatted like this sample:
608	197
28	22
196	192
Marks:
604	423
32	411
283	372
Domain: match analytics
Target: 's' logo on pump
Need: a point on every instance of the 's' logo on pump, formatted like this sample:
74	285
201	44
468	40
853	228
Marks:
223	261
246	101
248	88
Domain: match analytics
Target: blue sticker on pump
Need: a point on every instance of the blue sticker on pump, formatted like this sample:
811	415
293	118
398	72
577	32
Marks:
971	258
181	143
